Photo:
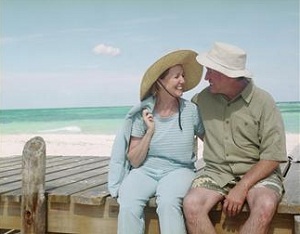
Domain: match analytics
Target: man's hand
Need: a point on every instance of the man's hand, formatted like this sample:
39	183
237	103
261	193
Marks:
234	201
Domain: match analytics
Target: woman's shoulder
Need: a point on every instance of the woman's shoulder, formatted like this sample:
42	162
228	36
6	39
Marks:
186	102
188	105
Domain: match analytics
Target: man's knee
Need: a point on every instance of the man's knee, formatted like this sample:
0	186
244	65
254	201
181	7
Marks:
190	204
198	201
188	200
264	205
266	208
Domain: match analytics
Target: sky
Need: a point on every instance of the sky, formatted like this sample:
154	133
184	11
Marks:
91	53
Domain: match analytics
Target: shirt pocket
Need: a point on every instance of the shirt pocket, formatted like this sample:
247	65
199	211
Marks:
245	131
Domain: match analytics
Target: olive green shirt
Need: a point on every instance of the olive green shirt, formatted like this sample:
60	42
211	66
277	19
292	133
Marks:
240	132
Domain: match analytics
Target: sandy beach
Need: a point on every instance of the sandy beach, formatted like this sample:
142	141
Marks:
83	144
60	144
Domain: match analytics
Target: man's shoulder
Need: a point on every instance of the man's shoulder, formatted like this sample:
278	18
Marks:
262	96
202	93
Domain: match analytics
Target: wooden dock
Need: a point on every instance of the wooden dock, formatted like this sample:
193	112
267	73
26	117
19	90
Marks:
76	189
78	200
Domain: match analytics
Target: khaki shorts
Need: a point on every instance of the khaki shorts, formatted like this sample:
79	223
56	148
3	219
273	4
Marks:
272	182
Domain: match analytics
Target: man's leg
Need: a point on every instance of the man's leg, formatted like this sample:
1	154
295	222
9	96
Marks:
196	205
263	203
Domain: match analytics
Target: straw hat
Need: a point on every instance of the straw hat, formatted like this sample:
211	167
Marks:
187	58
227	59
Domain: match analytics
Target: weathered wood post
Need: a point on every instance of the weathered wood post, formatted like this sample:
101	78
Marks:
297	224
33	207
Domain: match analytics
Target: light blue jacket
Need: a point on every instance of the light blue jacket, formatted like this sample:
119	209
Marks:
119	165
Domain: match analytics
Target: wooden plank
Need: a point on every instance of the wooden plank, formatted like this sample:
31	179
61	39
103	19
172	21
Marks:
10	215
75	218
8	161
12	231
76	184
4	175
93	196
281	223
12	173
77	165
14	170
53	164
6	188
58	176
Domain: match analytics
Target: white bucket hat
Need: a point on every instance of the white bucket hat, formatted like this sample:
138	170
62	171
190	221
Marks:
187	58
227	59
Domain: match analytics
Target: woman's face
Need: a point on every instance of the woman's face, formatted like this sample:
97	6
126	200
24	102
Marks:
174	81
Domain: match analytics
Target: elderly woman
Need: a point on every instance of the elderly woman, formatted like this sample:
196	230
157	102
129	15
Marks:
153	155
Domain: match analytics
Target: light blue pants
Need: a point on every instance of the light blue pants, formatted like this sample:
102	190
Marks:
169	188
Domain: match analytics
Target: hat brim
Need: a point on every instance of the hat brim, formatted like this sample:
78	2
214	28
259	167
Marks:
187	58
207	62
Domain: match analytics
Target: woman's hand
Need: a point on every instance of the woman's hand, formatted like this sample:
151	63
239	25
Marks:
149	121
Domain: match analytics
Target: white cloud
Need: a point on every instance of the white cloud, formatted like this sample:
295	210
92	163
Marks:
107	50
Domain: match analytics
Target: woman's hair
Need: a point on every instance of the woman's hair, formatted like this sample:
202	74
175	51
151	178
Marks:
155	87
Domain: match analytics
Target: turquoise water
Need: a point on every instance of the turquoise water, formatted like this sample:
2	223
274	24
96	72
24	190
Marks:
290	112
98	120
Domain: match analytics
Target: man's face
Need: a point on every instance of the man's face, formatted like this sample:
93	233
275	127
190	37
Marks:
218	82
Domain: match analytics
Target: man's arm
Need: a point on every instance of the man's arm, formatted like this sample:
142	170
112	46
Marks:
235	199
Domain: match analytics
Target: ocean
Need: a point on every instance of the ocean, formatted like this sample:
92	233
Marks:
97	120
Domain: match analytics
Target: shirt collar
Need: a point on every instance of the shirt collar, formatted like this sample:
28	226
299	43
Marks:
246	94
248	91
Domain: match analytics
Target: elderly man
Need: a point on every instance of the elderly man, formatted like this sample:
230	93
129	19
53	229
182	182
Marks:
243	146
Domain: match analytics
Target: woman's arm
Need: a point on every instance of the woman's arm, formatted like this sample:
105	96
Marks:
138	147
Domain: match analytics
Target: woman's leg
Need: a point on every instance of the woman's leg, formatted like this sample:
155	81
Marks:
170	192
135	191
